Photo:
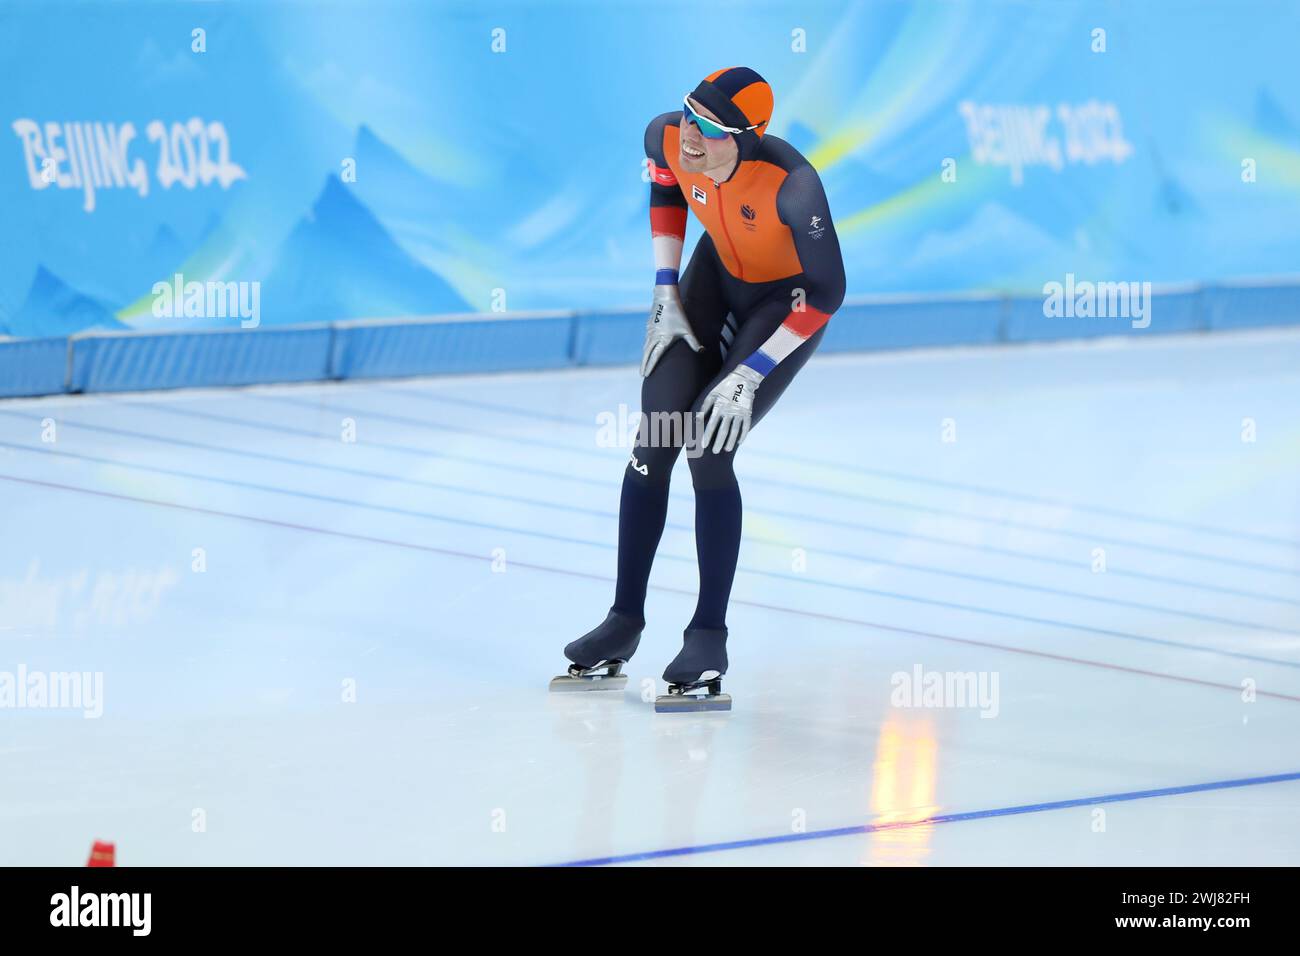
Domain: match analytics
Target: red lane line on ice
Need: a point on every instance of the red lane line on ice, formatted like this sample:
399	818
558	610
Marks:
835	618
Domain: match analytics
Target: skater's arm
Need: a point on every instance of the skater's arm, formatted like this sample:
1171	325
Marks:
667	322
802	206
667	204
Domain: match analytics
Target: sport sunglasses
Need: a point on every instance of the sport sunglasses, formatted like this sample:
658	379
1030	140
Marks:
707	127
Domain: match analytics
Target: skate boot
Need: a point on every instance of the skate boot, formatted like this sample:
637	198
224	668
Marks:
695	675
599	655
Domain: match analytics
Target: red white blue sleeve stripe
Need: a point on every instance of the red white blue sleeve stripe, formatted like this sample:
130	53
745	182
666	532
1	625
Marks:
791	334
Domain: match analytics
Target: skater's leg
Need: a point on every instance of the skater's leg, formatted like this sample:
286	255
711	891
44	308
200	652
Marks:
694	675
717	549
717	494
642	511
667	395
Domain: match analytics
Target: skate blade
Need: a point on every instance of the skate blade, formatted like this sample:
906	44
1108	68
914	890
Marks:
689	704
566	684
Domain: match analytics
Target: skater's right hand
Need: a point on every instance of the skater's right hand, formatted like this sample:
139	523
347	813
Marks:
667	324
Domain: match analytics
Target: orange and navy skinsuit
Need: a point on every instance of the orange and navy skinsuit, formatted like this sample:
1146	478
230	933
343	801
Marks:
769	224
758	291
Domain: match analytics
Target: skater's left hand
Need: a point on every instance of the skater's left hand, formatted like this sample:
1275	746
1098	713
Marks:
728	408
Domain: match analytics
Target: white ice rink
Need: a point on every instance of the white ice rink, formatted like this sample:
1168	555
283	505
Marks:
433	569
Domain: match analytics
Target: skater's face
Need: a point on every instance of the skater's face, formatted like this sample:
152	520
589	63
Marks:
700	154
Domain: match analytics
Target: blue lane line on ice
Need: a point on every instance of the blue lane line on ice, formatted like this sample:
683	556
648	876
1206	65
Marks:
416	450
660	588
795	578
1024	496
838	522
932	821
592	512
418	392
1087	536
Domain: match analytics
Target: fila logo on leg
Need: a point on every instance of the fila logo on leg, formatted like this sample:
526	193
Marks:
699	195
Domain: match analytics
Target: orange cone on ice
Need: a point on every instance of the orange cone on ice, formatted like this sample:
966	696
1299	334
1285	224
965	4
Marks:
102	854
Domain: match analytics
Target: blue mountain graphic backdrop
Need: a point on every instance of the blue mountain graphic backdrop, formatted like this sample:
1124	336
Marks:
391	159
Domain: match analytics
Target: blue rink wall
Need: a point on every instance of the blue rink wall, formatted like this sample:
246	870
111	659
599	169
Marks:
334	158
361	349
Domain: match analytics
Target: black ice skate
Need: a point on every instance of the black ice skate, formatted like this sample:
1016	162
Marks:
599	655
695	675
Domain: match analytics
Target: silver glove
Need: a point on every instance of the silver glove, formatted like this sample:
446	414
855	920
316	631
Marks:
667	324
728	409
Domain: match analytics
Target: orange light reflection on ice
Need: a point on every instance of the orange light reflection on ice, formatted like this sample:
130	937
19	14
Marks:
903	792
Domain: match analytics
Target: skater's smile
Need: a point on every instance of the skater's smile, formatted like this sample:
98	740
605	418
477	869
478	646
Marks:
698	153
